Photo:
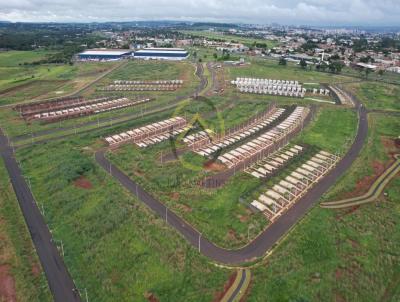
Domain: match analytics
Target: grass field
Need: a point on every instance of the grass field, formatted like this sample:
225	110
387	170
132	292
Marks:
20	83
342	255
13	125
332	130
377	95
15	58
265	68
21	276
120	251
113	245
219	214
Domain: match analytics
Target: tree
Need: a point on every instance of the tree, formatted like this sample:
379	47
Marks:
215	55
303	63
336	66
282	61
195	54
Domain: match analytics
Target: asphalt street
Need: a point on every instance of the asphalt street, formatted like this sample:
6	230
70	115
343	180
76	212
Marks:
60	282
271	235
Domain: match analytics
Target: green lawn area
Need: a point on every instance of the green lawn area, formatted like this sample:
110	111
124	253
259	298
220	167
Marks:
377	95
267	68
114	246
22	277
14	58
20	82
149	70
332	130
10	121
341	255
118	250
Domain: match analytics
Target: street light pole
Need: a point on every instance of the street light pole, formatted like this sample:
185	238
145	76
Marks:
199	242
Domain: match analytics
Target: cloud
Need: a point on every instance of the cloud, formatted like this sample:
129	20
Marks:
326	12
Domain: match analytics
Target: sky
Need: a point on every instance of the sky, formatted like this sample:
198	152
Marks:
304	12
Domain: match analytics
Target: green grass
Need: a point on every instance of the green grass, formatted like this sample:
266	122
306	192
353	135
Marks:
114	246
332	130
373	152
267	68
345	255
218	214
25	83
14	58
18	259
81	74
377	95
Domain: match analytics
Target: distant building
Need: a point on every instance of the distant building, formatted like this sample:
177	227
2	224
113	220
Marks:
161	54
104	54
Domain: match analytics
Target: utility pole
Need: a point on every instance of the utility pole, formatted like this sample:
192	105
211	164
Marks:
199	242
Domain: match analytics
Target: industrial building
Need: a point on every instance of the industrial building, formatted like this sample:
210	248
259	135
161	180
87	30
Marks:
104	54
161	54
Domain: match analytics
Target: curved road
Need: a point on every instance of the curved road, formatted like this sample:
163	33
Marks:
270	235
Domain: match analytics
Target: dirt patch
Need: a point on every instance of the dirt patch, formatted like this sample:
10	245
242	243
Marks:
397	142
246	217
83	183
339	298
151	297
219	295
347	212
175	195
213	166
354	244
184	207
231	235
7	285
36	269
338	274
365	183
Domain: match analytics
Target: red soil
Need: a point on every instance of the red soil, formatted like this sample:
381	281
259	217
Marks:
219	295
175	195
151	297
213	166
7	285
36	269
365	183
83	183
348	212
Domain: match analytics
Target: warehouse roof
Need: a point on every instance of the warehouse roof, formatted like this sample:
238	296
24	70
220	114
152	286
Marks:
105	52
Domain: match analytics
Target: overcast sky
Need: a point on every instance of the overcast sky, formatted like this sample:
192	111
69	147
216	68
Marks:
313	12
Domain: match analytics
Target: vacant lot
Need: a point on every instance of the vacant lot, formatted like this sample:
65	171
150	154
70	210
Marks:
377	95
342	255
21	275
21	82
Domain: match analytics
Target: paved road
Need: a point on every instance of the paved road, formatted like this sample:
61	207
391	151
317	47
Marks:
373	192
106	122
269	236
239	287
60	282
